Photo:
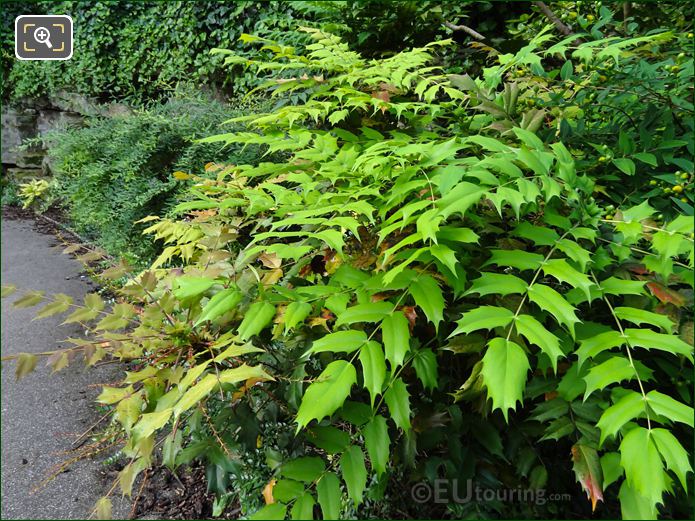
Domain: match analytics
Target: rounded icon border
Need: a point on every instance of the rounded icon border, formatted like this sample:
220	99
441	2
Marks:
72	37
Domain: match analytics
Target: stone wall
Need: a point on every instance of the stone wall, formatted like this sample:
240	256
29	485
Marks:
32	119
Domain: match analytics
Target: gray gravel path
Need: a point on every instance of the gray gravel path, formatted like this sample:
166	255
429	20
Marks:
42	414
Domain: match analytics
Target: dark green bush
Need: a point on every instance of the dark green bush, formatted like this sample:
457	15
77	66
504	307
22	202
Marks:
118	170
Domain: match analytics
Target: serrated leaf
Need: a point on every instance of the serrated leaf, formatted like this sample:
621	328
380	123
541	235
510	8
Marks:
551	301
445	255
118	318
550	410
373	368
587	469
673	454
540	235
616	286
295	313
219	304
613	370
627	408
634	505
376	441
237	350
504	372
325	395
340	342
638	213
640	316
111	395
257	317
328	438
242	373
499	284
521	260
189	288
93	304
537	334
562	271
425	364
26	363
397	399
150	422
668	244
592	346
428	296
396	336
664	405
29	299
649	339
306	469
640	459
60	304
196	393
456	234
370	312
328	491
484	317
354	473
575	252
558	429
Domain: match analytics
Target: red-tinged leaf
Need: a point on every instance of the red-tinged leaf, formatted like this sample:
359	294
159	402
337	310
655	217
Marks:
638	269
587	468
666	295
411	314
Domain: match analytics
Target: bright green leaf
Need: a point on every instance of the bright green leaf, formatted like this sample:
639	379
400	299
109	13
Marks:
504	372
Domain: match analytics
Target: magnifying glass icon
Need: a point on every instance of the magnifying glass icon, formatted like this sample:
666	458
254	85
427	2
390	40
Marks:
43	35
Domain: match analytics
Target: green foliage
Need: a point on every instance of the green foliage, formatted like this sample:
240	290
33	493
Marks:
10	193
32	192
628	98
424	281
117	170
137	51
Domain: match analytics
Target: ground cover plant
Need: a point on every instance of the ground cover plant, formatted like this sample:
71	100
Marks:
114	171
429	276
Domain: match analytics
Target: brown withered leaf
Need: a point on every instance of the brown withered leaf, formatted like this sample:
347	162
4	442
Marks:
202	215
270	260
383	96
389	87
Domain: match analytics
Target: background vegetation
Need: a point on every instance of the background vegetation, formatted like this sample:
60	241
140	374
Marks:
417	258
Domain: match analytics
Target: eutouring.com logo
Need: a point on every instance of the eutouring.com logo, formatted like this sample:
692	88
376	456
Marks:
445	491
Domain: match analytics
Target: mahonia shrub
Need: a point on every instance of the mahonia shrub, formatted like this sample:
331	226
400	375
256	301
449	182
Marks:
409	291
